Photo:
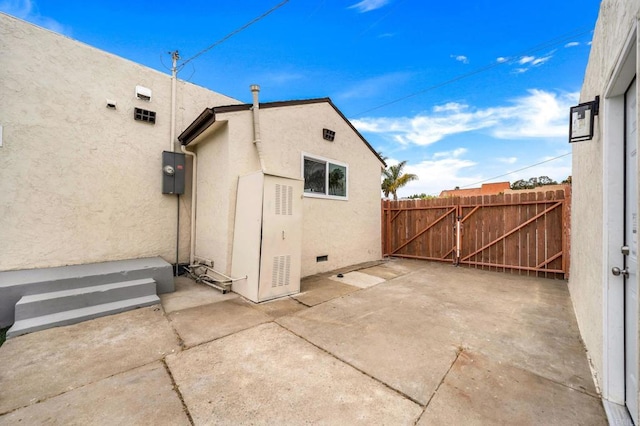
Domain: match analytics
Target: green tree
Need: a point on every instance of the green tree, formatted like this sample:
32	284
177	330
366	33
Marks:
533	182
394	179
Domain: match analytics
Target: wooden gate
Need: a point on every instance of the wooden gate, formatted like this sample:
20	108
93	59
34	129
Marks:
525	233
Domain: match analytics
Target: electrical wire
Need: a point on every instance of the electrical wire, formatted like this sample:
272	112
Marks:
234	32
514	58
516	171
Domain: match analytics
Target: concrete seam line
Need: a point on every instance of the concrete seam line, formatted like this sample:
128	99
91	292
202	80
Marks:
458	353
402	394
47	397
302	303
174	385
175	332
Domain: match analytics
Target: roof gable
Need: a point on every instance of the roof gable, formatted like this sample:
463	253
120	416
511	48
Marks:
208	117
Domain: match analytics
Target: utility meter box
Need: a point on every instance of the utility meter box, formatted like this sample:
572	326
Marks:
173	170
267	239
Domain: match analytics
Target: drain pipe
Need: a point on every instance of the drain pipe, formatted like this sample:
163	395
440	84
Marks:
194	184
255	89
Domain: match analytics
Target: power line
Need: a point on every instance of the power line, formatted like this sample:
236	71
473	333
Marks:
232	33
516	171
544	45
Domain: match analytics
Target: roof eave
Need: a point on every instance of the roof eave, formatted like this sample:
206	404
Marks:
199	125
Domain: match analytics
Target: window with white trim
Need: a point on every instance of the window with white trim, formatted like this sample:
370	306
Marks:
324	178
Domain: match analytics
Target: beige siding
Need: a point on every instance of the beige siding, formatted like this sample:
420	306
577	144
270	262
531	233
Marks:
348	232
588	257
81	182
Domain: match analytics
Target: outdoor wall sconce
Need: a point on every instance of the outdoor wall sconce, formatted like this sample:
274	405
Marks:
581	120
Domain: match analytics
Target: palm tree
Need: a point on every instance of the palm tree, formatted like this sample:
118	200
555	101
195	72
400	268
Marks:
394	179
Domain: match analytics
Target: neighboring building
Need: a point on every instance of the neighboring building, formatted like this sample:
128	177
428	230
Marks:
81	164
605	212
493	188
81	182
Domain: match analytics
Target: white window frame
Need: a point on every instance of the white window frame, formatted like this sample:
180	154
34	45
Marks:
326	185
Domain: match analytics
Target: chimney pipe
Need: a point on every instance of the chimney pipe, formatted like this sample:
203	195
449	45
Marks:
255	89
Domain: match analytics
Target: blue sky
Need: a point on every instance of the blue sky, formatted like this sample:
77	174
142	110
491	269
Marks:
463	91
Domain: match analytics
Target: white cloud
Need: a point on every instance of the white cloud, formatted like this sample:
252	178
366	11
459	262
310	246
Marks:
526	59
525	63
455	153
368	5
28	11
539	114
507	160
460	58
572	44
442	171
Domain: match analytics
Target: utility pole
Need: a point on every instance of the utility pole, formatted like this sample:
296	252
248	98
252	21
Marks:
174	76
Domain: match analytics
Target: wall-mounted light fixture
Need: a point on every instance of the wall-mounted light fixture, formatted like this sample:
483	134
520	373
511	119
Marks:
581	120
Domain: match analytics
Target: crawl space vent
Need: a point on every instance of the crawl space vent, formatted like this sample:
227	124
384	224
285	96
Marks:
147	116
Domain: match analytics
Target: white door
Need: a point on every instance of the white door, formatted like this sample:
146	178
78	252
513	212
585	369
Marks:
631	259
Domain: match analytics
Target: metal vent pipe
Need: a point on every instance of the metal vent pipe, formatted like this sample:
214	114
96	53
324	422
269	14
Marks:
255	89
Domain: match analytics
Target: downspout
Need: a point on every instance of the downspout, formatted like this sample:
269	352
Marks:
194	184
255	89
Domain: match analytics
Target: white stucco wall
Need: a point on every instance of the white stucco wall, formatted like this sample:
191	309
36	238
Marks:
80	182
591	186
347	231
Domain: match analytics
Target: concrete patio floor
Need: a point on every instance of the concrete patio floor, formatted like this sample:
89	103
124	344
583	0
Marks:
396	342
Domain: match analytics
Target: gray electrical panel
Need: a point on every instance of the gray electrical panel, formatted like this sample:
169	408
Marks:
173	169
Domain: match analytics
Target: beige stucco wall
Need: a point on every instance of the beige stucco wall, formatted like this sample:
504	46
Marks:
348	232
588	245
80	182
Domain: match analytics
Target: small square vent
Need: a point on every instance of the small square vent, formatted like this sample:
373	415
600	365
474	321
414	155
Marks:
140	114
329	135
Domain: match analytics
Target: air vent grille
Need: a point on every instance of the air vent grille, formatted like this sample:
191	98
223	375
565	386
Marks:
281	271
284	200
328	135
147	116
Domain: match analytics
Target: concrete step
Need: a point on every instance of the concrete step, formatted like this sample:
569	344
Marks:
78	315
43	304
17	284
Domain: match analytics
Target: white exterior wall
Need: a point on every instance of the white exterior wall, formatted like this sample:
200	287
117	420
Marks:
80	182
347	231
595	216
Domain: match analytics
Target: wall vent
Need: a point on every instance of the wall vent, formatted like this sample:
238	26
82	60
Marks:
284	200
280	276
140	114
322	258
143	93
329	135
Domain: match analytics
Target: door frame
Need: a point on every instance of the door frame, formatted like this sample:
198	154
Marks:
613	375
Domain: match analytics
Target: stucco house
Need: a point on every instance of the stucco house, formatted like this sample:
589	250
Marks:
604	236
84	140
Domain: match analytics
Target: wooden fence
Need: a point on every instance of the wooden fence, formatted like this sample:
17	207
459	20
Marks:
521	233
